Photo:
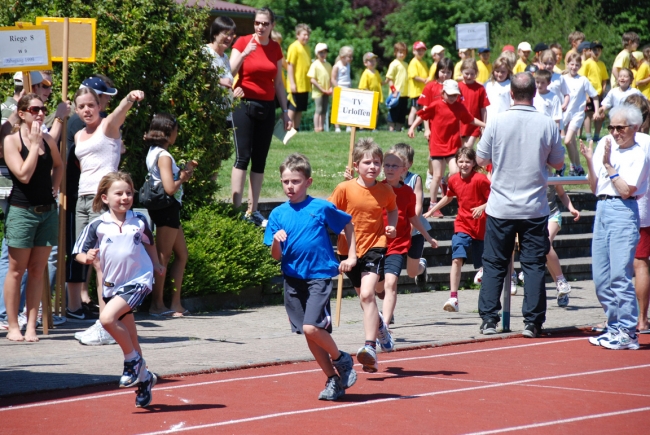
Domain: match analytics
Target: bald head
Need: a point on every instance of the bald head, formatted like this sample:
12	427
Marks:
523	88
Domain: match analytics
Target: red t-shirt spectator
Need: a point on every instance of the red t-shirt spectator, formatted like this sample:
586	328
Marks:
474	98
471	192
405	210
444	123
432	92
257	72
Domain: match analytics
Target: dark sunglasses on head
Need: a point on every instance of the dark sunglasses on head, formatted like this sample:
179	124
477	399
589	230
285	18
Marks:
45	86
262	23
35	109
618	128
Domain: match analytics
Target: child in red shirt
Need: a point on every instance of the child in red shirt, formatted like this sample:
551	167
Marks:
444	140
475	100
395	167
472	190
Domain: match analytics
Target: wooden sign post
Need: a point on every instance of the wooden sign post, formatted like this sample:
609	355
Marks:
354	108
72	40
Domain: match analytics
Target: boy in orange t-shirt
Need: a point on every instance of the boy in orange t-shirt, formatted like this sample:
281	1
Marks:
365	200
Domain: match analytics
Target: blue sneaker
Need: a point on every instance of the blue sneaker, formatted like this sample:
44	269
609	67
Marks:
334	389
621	341
599	340
385	339
134	373
367	356
562	300
345	367
143	394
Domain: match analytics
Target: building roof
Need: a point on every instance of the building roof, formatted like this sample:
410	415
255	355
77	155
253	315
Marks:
220	6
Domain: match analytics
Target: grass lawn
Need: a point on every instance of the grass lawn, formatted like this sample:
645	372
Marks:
328	154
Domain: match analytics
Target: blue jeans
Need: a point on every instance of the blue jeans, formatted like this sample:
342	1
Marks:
4	268
616	234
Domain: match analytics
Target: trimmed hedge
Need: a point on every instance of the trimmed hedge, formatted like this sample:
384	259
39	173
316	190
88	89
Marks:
226	253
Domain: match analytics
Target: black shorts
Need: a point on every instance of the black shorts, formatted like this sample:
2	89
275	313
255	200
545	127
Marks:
167	217
397	114
417	246
590	104
442	157
132	294
307	302
414	103
301	101
372	261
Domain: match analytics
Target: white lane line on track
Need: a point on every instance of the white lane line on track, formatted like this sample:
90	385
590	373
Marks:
221	381
392	399
563	421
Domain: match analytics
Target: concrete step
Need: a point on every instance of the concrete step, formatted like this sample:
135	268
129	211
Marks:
438	276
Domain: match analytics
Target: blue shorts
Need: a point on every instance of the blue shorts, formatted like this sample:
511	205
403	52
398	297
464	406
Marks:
460	242
307	302
557	218
393	264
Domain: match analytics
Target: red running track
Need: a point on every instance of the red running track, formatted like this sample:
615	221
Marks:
554	384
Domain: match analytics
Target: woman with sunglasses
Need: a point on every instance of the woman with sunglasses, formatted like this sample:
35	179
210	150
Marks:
618	174
258	61
32	224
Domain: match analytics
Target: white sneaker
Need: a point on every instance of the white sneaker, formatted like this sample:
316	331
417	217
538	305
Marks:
478	278
451	305
4	325
513	284
427	183
22	321
348	129
80	334
99	337
337	130
621	341
521	276
421	279
563	287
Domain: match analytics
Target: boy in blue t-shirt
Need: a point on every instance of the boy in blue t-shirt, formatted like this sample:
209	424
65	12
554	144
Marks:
298	237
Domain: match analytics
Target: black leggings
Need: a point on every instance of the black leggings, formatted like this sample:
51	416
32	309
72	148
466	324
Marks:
253	136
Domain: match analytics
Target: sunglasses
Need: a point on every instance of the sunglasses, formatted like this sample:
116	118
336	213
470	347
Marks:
262	23
45	87
35	109
618	128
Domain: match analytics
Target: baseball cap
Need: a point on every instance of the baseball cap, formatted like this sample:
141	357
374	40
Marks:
596	44
584	45
484	50
532	68
450	87
98	86
37	79
437	49
418	45
320	47
463	50
508	48
540	46
369	55
524	46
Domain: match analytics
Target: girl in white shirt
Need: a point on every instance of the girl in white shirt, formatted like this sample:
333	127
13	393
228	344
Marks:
498	88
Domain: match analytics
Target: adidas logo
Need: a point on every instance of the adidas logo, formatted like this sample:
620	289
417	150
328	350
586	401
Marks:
109	241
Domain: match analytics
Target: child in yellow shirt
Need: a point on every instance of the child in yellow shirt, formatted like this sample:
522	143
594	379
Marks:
418	72
320	75
523	51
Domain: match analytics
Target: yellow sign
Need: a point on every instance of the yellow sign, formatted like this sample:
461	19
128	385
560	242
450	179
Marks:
355	108
81	40
24	49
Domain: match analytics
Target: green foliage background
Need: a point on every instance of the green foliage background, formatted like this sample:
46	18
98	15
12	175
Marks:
153	46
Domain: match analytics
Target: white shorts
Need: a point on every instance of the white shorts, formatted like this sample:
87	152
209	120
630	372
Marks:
573	121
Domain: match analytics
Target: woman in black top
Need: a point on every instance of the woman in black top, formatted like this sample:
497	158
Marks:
31	227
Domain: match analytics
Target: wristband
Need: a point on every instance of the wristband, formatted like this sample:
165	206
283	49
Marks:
285	110
611	177
58	118
129	101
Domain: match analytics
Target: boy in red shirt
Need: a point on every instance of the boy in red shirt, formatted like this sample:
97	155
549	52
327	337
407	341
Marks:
395	167
475	99
472	190
444	116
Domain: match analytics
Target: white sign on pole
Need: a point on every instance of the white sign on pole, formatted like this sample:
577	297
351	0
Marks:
355	107
24	49
472	35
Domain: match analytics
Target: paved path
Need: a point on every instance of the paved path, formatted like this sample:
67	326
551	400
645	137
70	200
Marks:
260	335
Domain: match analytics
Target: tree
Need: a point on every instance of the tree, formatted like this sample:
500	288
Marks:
154	46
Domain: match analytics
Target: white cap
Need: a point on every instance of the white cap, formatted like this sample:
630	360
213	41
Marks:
320	47
36	77
524	46
450	87
437	49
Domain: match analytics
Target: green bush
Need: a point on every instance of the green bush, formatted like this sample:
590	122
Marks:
154	46
226	254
